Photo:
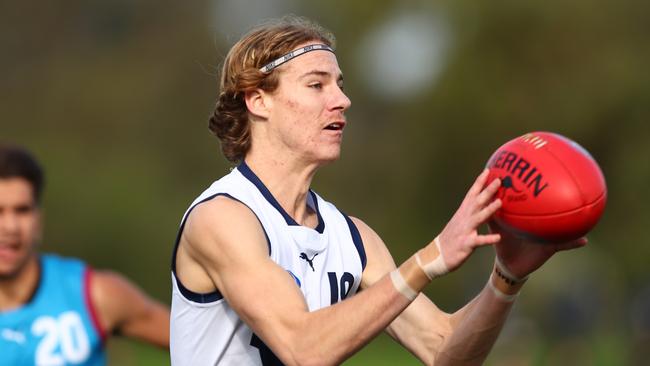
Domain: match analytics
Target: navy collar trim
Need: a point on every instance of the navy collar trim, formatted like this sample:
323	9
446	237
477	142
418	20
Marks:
250	175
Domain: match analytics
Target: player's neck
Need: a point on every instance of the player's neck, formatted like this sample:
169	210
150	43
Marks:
288	181
17	290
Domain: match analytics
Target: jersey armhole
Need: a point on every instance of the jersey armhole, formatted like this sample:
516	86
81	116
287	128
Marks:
90	306
356	239
214	295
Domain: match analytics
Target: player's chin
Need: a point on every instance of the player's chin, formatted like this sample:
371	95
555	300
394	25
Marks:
8	271
330	155
329	160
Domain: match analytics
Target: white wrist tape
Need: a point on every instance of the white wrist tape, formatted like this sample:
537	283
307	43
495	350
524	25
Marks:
436	267
507	272
402	286
501	295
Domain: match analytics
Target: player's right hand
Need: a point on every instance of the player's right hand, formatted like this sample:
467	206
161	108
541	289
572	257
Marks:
521	256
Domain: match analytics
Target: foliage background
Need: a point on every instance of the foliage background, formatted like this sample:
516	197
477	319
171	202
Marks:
113	96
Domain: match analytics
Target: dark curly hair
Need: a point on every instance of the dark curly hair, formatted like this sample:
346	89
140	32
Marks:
240	73
17	162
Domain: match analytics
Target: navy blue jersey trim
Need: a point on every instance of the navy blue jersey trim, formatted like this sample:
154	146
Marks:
358	243
187	293
321	223
267	356
250	175
196	296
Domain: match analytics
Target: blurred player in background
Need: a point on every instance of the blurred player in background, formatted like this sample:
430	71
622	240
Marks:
55	310
265	271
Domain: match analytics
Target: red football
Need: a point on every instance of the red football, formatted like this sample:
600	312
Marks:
551	187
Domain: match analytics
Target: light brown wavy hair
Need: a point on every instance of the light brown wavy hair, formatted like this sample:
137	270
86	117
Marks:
240	74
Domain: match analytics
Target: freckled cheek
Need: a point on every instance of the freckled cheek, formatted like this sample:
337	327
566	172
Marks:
305	105
291	104
294	111
302	115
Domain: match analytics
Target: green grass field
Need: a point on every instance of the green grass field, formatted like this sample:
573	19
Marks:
383	351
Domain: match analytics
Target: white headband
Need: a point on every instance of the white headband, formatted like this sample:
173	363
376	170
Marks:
295	53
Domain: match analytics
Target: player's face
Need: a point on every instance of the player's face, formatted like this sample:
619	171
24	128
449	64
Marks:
307	113
20	225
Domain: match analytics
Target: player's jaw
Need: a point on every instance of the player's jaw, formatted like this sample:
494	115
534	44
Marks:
15	251
10	254
329	140
19	225
14	254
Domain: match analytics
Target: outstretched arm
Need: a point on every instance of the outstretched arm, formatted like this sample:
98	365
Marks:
223	246
123	307
477	325
467	336
436	337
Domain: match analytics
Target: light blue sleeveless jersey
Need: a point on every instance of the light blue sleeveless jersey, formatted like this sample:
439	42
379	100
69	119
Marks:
57	326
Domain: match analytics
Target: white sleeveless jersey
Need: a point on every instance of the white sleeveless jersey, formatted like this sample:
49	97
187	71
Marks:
326	264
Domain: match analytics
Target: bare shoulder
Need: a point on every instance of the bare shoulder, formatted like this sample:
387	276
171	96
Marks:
372	242
221	237
221	205
113	297
121	306
106	285
220	223
216	213
380	261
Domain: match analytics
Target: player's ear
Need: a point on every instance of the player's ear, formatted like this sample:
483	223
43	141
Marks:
258	103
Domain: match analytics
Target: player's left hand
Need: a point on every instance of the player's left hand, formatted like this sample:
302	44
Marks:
522	256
